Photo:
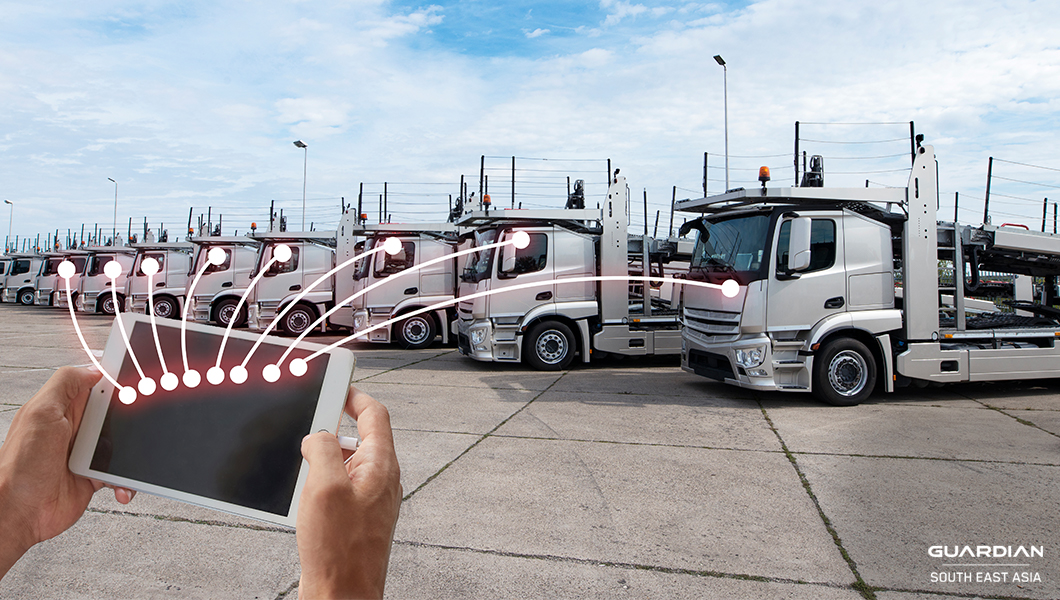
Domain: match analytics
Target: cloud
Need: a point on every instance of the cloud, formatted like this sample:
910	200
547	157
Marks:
535	33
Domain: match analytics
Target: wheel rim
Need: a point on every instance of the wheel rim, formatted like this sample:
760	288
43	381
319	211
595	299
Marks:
108	306
27	298
224	315
551	347
415	330
297	321
848	373
164	309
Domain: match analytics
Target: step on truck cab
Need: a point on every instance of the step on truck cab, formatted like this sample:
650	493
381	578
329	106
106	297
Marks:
818	310
93	289
21	275
312	256
217	294
174	263
548	324
398	294
50	287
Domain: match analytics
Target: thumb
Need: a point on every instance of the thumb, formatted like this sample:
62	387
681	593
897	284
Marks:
321	450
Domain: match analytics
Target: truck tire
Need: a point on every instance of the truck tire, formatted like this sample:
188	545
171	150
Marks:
549	346
415	332
844	372
106	304
166	307
25	297
226	310
298	319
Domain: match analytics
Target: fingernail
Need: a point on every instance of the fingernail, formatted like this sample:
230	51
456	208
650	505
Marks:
92	369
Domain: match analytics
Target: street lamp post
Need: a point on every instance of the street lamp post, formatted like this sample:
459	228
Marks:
10	219
721	61
114	240
305	163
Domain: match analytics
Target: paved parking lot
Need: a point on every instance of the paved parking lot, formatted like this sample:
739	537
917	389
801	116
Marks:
623	479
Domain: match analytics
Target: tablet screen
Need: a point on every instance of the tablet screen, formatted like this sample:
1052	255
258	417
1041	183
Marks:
233	443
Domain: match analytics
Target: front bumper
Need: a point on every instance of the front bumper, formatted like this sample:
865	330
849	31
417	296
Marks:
9	295
260	315
364	320
783	367
86	302
43	297
475	338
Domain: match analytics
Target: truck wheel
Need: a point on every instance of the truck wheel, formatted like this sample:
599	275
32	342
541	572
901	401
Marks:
549	346
166	307
844	373
106	305
297	320
25	297
226	310
416	332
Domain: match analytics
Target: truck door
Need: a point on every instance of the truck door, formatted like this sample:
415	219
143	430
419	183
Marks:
393	289
797	301
517	267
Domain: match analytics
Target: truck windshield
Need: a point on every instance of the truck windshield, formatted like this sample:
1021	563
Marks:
735	246
51	266
479	264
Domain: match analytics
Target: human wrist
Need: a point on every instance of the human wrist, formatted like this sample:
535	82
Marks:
15	537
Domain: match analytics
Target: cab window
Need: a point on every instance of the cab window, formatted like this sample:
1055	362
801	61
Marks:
387	264
161	258
822	245
289	266
20	267
530	259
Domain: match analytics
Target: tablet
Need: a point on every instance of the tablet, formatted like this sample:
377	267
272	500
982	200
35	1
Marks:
230	447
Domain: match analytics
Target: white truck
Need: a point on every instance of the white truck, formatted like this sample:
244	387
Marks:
218	291
546	325
420	243
21	275
93	289
818	310
312	256
174	263
49	286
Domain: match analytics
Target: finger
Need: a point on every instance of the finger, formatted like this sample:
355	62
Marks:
123	495
68	389
373	419
321	450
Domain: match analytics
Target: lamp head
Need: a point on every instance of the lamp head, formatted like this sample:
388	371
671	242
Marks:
300	144
721	61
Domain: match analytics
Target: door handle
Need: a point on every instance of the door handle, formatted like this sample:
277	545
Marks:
294	288
543	296
160	284
410	291
226	284
836	302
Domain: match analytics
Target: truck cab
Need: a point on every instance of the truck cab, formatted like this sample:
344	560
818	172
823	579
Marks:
94	288
21	275
5	261
217	293
312	257
174	263
50	287
546	303
387	294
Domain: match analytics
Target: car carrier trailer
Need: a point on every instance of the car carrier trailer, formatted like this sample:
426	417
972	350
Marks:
840	291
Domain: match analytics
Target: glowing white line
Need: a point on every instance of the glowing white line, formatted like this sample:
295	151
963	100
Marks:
242	300
513	288
154	328
388	279
121	327
80	336
188	299
291	304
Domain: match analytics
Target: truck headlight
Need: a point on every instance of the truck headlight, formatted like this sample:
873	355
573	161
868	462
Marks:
478	336
358	323
749	358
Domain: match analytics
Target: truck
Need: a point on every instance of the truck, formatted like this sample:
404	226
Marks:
845	291
435	283
49	286
548	325
94	287
21	275
218	291
312	256
174	263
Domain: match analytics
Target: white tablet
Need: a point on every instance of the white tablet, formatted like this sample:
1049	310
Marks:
234	447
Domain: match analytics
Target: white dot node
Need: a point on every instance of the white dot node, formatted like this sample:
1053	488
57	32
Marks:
521	239
149	266
112	269
271	373
392	246
282	253
216	256
299	367
127	395
238	374
146	386
215	375
730	288
66	269
192	379
169	381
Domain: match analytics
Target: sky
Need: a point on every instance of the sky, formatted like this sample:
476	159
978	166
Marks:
193	106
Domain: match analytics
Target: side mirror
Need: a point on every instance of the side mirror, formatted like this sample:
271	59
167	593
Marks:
799	245
507	259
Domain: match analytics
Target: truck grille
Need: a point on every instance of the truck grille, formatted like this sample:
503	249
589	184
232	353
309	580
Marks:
710	365
712	326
